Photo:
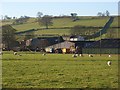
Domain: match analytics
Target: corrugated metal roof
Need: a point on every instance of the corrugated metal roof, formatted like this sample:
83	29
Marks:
65	44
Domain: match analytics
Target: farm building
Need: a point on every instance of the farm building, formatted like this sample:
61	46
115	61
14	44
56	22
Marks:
106	43
65	47
82	44
38	44
105	46
42	42
22	45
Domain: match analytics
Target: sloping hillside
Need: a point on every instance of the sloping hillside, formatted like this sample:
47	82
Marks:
62	26
61	22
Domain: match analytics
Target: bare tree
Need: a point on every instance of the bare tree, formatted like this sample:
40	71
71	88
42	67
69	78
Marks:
103	14
39	14
74	16
99	14
107	13
6	17
46	21
21	20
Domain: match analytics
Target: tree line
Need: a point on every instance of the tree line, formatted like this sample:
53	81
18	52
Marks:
106	13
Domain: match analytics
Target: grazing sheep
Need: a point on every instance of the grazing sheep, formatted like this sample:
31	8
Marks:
1	53
109	63
90	55
74	55
15	53
43	54
81	55
109	55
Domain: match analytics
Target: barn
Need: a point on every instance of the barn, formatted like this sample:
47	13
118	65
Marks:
42	42
103	46
63	47
38	44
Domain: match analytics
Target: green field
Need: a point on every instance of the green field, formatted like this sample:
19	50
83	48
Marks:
62	26
53	31
64	22
33	70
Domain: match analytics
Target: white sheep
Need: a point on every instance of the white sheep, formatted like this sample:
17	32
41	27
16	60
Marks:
109	63
90	55
74	55
43	54
15	53
1	53
109	55
81	55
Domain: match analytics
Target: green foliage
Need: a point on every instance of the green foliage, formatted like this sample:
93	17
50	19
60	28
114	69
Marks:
8	36
33	70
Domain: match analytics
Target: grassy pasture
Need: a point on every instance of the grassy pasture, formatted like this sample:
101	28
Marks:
61	22
115	22
53	31
58	23
33	70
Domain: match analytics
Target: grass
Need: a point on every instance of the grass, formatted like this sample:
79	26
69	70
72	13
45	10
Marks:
26	26
54	31
115	22
32	70
58	23
6	22
62	22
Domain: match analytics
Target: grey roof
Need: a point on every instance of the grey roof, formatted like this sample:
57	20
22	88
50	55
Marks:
65	44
